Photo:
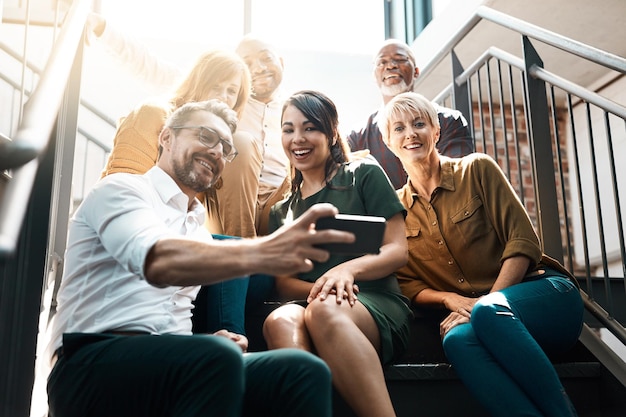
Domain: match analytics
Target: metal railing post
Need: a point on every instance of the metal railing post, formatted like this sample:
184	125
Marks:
460	93
548	218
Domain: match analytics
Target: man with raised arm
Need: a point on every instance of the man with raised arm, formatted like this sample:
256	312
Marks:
121	341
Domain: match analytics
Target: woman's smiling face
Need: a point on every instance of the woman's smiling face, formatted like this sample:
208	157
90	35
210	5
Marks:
412	137
304	144
226	91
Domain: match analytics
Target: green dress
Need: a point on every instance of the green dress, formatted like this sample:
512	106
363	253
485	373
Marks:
360	187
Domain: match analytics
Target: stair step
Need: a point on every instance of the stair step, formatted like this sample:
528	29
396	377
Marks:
439	371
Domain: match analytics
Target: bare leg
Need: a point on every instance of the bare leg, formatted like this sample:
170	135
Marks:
347	339
284	328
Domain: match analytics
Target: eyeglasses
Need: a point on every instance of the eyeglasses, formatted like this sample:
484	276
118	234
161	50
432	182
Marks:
381	63
210	138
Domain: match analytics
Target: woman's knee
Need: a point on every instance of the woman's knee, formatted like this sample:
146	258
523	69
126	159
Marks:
491	307
327	311
284	320
457	339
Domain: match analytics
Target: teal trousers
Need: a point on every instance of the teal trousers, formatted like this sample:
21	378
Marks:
104	375
501	353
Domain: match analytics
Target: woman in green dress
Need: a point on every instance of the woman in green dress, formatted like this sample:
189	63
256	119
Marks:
351	311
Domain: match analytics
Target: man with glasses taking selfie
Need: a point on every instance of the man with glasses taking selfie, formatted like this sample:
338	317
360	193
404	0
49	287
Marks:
137	252
395	72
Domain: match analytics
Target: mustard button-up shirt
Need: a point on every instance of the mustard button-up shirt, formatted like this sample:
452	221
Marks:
459	238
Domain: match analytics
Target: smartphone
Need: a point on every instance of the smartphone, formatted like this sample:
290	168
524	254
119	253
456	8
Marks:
368	231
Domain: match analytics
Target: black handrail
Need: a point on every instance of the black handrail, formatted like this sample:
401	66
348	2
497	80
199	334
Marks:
42	107
38	71
541	73
522	27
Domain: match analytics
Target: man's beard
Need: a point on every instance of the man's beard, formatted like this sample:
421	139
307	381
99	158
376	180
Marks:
188	177
395	89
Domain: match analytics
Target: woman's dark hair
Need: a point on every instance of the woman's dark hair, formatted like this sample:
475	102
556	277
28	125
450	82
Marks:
322	112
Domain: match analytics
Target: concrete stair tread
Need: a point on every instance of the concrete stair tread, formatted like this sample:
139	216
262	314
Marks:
434	371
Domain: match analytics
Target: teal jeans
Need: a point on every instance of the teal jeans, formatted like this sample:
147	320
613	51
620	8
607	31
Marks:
500	355
104	375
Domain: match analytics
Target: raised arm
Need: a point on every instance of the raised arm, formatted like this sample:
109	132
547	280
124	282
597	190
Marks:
289	250
135	56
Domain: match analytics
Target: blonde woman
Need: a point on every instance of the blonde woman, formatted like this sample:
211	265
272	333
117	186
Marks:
475	256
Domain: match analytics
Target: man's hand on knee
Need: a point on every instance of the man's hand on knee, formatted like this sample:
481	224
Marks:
241	340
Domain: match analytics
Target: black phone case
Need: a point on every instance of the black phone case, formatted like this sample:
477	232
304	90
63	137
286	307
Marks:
368	230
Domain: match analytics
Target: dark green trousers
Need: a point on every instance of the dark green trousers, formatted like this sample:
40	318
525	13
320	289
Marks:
151	376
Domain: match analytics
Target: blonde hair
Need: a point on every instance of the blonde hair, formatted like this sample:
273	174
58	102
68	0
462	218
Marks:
410	103
212	68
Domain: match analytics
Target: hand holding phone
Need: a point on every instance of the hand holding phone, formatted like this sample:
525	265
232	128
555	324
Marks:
368	231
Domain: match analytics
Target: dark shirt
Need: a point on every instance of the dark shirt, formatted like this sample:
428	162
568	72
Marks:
455	141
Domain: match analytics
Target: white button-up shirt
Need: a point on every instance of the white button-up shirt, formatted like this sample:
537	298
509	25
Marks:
110	235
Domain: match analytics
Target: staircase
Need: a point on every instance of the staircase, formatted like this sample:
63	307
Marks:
558	139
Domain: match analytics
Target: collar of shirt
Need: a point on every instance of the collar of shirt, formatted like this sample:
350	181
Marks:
408	194
170	192
447	173
278	99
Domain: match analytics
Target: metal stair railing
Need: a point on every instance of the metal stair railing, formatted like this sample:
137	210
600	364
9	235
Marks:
33	203
20	155
38	71
572	46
